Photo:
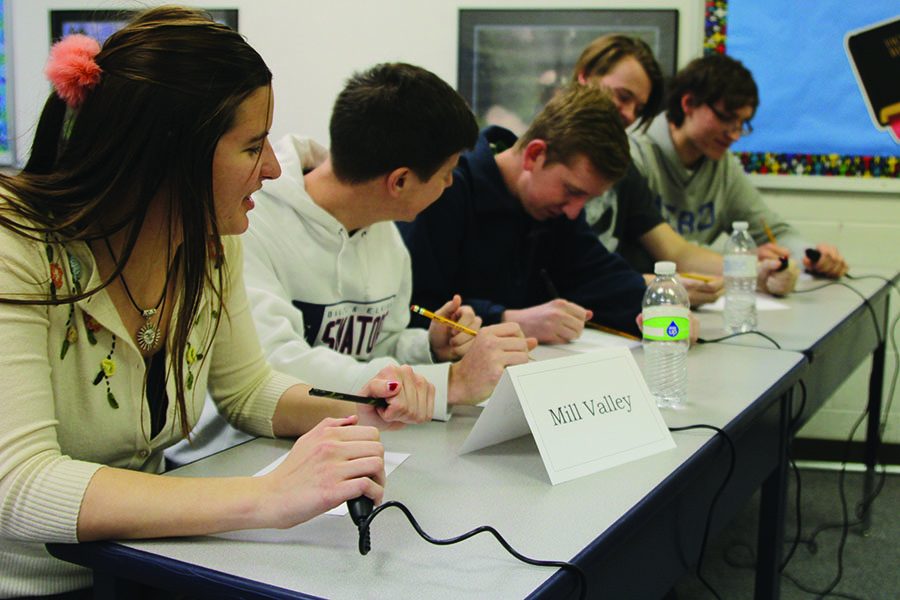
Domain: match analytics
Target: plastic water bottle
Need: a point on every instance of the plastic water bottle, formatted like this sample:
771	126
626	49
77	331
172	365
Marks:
666	309
740	280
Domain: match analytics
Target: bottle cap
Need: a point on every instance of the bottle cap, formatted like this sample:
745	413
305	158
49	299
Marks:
664	267
740	225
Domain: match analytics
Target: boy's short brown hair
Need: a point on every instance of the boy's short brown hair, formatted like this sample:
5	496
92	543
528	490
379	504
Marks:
582	120
709	79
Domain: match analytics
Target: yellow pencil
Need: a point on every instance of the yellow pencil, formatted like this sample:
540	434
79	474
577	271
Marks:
697	276
427	313
605	329
783	259
769	233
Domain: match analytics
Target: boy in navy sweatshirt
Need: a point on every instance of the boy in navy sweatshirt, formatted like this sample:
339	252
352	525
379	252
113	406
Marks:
510	234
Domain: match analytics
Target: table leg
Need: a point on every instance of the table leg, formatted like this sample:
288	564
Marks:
873	431
772	502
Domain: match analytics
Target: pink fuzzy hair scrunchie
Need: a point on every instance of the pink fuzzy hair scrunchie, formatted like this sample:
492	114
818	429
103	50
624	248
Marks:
71	68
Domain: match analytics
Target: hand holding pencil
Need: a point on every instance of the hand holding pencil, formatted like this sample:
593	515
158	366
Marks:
486	353
555	322
702	289
772	250
453	328
496	347
775	279
776	273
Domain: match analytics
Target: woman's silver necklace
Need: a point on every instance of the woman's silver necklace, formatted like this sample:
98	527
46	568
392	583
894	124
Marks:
148	335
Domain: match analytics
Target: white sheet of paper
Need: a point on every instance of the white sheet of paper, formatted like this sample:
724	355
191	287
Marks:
392	460
763	302
591	340
603	415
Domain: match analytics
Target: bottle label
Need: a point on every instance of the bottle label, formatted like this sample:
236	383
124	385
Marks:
666	323
740	265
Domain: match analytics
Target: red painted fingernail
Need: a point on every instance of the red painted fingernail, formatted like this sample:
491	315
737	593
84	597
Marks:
393	385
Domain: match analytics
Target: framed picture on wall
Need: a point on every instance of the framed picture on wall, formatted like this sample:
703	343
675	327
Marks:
512	61
100	24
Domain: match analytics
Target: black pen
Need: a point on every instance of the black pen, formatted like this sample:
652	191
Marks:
376	402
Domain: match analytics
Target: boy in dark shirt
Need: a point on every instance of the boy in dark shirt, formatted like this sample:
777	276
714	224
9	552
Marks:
510	234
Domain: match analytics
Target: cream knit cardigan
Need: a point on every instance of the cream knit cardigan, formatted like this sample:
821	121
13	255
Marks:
72	397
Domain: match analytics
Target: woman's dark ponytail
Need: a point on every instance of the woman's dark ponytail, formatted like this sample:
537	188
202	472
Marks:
47	137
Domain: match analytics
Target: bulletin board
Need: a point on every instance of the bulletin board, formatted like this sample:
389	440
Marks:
812	118
7	151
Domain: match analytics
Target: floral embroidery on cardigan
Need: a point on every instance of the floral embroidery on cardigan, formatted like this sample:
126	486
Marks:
71	331
57	281
91	326
191	356
107	370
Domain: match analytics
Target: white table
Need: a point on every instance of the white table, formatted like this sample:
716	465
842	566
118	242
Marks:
634	529
836	331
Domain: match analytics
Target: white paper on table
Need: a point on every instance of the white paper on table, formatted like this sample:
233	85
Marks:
763	302
591	340
392	460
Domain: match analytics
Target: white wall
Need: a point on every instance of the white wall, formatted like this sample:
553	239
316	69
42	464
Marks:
312	46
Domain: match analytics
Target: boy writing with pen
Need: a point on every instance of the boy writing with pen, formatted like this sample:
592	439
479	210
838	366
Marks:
327	274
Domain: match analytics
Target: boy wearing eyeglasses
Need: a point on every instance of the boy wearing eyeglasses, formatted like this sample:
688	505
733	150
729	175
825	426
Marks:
684	156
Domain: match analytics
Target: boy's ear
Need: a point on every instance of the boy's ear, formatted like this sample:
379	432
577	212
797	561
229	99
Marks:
397	180
532	154
687	103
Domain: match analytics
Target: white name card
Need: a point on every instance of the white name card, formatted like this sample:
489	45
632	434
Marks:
587	412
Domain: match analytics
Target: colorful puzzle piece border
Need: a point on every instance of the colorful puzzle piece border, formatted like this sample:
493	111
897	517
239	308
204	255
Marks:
716	37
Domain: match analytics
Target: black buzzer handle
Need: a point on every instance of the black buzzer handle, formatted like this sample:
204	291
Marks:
360	509
813	255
